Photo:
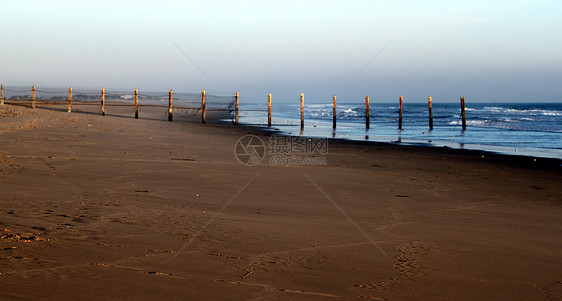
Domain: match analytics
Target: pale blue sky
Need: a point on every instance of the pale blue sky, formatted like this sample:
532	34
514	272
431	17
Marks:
483	50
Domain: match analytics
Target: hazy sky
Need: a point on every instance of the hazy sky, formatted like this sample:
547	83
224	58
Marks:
483	50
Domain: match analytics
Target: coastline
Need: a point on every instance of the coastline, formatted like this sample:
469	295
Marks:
112	207
512	129
467	153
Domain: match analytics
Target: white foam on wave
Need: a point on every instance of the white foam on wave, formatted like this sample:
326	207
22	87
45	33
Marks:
507	124
470	122
318	105
520	111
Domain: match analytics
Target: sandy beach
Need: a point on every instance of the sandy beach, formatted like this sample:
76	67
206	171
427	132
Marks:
110	207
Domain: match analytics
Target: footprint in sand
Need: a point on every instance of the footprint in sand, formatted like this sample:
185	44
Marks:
408	265
9	167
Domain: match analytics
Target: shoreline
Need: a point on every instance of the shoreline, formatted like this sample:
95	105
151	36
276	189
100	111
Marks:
497	129
109	207
521	160
543	153
527	161
535	153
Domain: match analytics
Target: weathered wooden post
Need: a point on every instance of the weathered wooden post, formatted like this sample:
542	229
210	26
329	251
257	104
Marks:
302	111
33	97
69	99
102	102
136	103
400	113
269	110
430	113
334	111
236	97
1	94
170	100
367	113
463	114
203	107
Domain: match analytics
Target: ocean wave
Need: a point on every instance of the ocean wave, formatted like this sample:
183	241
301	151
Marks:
470	122
493	109
319	105
507	119
350	114
535	112
506	125
326	112
531	111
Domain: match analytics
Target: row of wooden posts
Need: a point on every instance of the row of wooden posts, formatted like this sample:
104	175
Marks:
367	113
136	97
203	107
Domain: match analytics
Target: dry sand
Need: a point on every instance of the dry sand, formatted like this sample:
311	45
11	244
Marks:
109	207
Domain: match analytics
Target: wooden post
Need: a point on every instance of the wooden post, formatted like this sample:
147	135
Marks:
430	113
170	101
203	107
136	103
102	102
400	113
69	99
463	114
334	111
302	111
33	97
236	97
367	113
1	94
269	110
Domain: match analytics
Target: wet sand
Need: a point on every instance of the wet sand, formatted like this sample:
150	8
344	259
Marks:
109	207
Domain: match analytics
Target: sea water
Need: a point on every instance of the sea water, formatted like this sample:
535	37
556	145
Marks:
533	129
